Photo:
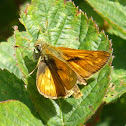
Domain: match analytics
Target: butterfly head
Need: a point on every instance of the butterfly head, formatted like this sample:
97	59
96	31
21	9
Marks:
40	45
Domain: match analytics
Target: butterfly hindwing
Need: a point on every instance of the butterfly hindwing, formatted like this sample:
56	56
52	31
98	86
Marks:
55	78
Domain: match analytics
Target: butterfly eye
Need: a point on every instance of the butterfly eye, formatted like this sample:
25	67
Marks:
38	47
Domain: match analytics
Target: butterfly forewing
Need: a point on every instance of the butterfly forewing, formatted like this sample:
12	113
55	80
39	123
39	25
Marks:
85	62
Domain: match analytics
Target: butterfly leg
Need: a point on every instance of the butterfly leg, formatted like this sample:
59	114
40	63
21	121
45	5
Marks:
77	93
81	80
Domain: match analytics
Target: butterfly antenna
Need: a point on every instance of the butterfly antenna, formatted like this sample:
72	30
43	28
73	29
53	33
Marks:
34	69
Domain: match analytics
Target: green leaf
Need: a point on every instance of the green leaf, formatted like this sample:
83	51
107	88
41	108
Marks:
7	57
114	13
16	107
23	48
89	10
61	24
118	82
117	86
15	113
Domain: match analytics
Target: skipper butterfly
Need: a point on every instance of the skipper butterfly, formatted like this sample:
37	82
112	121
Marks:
60	68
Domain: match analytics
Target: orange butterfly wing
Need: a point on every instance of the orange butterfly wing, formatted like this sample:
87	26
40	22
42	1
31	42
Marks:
55	78
85	62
